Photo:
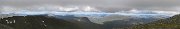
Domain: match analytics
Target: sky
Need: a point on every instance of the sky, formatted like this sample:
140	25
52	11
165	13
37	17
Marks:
103	5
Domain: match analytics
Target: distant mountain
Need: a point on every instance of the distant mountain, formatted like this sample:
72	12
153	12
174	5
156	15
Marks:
129	21
47	22
169	23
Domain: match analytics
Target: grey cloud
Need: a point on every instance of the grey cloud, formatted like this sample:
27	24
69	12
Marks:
100	4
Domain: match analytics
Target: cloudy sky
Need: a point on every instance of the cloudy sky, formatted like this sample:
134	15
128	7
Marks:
104	5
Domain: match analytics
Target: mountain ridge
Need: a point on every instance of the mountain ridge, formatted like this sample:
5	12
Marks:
169	23
46	22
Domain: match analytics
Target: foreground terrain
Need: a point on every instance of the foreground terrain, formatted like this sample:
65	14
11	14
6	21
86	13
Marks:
70	22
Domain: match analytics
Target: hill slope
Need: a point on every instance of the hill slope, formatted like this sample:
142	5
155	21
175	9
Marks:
46	22
169	23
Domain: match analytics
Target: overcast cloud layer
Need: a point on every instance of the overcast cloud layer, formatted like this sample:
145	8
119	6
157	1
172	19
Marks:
104	5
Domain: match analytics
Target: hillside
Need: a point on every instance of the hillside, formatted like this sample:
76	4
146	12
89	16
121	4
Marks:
46	22
169	23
